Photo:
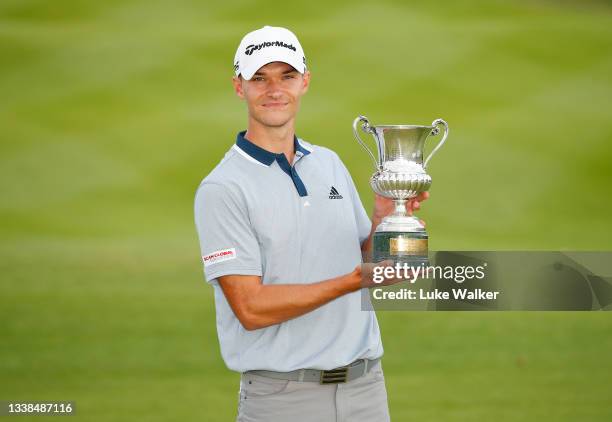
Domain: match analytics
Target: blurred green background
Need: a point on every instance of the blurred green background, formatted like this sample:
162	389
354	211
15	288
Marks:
112	112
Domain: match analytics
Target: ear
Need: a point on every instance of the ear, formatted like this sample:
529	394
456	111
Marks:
305	81
237	82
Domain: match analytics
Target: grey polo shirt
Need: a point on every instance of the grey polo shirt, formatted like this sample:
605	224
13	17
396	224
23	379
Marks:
290	224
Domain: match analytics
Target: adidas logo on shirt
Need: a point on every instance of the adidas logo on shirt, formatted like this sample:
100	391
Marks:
334	194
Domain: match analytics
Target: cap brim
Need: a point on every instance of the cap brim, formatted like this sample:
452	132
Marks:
248	72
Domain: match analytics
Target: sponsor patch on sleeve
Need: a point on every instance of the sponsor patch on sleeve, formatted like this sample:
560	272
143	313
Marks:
219	256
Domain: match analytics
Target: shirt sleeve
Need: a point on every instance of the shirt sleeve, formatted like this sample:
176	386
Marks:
364	225
228	243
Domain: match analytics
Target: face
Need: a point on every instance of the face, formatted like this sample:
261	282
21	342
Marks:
273	93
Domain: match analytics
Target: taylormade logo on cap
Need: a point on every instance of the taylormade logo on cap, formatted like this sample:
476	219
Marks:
249	50
266	45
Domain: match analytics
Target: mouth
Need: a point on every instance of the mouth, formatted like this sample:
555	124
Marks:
274	105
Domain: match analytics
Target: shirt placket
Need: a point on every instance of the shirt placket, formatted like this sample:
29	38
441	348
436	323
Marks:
290	170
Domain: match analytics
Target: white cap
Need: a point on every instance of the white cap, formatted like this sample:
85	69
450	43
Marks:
266	45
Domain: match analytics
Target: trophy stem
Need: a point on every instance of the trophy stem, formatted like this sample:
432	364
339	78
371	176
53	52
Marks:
400	221
400	207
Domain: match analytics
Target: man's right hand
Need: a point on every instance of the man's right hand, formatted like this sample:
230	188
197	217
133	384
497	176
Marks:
371	274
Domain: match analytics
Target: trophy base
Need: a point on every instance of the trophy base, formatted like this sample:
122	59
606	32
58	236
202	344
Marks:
401	247
401	238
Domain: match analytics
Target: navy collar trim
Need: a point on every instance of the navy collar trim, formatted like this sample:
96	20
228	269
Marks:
262	155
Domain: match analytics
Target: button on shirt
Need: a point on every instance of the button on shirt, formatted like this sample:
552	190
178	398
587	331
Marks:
290	224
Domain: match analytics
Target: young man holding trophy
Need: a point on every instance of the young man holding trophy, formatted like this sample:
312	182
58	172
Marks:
282	231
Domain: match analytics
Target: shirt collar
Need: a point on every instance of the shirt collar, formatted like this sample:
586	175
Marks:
264	156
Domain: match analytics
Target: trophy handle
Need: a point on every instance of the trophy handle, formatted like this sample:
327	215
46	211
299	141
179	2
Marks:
367	129
434	132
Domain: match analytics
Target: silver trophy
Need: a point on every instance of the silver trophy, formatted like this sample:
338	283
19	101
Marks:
400	175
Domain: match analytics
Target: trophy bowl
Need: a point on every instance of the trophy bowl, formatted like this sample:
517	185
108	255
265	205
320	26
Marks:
400	185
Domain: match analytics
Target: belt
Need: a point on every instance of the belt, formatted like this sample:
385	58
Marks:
338	375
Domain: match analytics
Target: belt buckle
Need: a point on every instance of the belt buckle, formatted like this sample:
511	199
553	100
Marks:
334	376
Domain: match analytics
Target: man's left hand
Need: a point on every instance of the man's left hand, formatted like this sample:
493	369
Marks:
385	206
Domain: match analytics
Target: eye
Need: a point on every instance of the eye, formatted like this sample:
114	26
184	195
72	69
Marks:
289	76
258	78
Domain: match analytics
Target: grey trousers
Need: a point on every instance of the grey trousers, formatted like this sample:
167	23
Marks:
271	400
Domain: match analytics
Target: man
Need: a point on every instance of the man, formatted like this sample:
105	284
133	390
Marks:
282	231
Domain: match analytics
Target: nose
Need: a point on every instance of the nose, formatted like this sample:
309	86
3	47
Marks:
274	89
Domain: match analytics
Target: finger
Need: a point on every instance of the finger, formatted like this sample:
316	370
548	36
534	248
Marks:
423	196
416	205
422	222
386	263
371	265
